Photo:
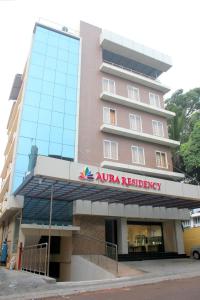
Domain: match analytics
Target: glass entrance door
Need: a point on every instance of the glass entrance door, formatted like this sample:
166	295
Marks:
145	237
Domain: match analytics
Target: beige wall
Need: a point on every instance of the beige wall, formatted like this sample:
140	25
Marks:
169	236
90	139
92	235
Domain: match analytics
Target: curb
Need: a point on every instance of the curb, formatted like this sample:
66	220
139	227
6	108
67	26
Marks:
80	287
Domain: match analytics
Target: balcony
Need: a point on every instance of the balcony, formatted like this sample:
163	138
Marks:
136	104
142	170
133	76
144	137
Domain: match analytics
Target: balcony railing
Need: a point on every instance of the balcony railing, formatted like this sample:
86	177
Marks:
144	137
139	105
136	77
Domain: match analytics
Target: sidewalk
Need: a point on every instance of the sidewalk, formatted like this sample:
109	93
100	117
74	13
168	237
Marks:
21	285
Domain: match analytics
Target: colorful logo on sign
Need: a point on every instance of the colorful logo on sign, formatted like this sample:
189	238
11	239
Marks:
121	180
86	174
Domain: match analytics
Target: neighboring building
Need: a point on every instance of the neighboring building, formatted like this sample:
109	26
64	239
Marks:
88	130
191	235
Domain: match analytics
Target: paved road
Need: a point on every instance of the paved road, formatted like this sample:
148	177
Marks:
182	289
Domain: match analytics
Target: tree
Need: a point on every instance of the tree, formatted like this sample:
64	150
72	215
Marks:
190	152
187	109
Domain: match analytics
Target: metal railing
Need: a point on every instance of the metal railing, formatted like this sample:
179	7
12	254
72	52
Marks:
130	70
34	259
99	252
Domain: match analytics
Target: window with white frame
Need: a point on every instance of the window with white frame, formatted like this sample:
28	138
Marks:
196	221
108	85
154	100
110	149
135	122
133	93
161	160
109	116
138	155
186	223
157	128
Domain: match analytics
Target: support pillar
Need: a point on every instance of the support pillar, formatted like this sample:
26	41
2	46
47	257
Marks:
122	235
179	237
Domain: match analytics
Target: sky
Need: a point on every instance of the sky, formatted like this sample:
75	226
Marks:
171	27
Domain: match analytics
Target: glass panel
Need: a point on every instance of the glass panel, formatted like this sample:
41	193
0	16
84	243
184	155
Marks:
107	151
55	149
114	152
61	78
133	93
59	91
112	117
21	163
106	115
57	119
68	151
49	75
70	108
34	84
51	51
46	102
24	145
39	47
69	122
145	238
59	105
32	98
43	147
68	137
48	88
36	71
41	34
44	116
30	113
28	129
56	135
43	132
37	59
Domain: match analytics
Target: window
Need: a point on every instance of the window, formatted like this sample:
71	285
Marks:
108	85
138	155
157	128
154	100
196	221
133	93
110	149
161	159
186	223
135	122
109	116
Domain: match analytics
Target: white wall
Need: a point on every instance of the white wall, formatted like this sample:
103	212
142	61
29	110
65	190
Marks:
83	270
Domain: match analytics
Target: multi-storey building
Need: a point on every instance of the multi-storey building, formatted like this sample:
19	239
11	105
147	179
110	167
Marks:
88	134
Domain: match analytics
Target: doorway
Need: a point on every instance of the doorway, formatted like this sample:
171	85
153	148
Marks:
145	237
111	231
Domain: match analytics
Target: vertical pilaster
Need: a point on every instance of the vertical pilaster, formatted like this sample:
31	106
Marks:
122	232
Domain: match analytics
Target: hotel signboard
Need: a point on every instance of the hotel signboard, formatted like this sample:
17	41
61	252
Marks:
86	174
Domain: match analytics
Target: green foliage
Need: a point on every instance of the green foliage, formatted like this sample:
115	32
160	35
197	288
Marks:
190	151
185	128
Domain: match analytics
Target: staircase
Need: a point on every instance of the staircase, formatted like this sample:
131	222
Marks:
149	256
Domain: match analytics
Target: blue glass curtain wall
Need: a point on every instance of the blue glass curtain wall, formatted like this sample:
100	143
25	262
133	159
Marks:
37	210
48	118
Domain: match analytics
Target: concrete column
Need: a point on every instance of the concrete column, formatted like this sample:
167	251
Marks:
122	235
179	237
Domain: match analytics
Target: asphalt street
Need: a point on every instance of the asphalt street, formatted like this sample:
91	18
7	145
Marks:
182	289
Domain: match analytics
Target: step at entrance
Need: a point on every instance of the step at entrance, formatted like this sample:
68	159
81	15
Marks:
149	256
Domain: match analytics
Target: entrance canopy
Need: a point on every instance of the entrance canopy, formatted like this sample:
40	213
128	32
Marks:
73	181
